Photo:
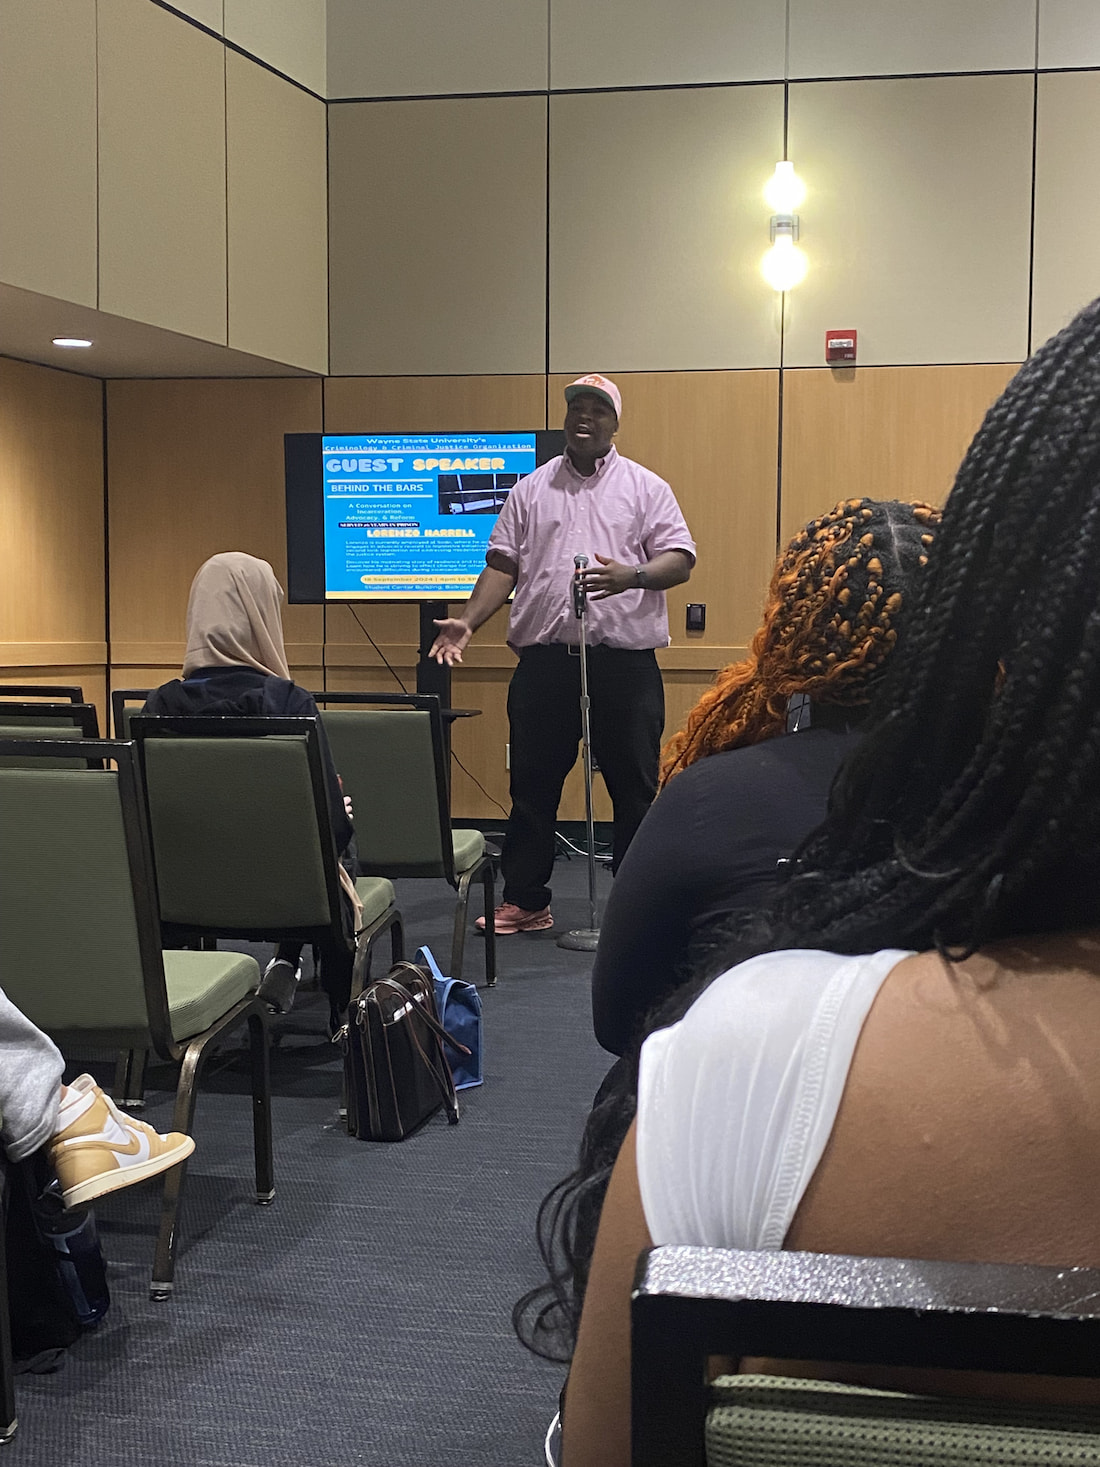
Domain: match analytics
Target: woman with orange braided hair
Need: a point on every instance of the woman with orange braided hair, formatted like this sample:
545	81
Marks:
710	844
829	624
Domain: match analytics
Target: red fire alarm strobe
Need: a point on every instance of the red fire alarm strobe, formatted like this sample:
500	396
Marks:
840	346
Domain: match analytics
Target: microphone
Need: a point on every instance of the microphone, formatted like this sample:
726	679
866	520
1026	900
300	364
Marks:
580	595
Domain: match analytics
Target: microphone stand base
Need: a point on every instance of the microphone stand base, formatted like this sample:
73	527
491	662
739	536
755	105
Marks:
583	940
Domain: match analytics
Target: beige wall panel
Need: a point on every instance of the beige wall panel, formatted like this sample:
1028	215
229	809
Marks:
419	405
657	225
918	218
161	170
48	147
631	43
196	468
1069	33
479	743
885	433
207	12
1066	270
713	436
425	48
278	229
437	229
435	404
51	519
287	34
885	37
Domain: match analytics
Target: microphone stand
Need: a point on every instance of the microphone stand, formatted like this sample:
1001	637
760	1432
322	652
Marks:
585	939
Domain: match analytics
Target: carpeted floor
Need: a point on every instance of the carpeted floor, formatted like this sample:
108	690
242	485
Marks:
363	1318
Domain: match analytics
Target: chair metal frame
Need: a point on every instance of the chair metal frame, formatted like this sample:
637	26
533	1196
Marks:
145	726
483	869
119	699
692	1303
81	715
191	1054
71	692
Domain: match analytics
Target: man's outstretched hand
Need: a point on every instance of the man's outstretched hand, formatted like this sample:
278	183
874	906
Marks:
449	644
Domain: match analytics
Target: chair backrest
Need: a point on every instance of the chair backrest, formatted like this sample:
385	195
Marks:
693	1303
52	692
240	825
125	702
79	938
389	753
42	720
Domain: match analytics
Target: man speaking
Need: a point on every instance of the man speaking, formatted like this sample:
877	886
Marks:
588	502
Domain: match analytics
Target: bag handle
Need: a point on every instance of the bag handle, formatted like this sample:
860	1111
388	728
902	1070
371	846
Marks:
407	994
425	958
444	1081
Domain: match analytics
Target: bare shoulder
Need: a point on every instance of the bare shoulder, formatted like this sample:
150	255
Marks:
973	1095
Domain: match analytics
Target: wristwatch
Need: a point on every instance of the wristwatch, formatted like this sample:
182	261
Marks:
640	581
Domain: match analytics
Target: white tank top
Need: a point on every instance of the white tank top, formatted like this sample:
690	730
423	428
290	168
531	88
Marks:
737	1101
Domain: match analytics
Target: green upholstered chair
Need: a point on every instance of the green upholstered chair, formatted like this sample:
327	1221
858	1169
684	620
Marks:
80	946
391	756
242	836
41	720
125	702
690	1304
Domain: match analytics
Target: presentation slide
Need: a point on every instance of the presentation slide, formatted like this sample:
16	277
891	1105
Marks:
408	517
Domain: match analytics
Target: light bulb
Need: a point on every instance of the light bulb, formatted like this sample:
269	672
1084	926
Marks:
71	341
784	265
784	191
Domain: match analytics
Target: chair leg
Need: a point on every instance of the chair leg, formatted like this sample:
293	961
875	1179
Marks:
397	939
488	880
183	1119
483	872
259	1036
129	1087
458	939
8	1421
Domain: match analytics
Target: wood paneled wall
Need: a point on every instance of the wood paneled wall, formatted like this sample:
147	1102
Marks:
888	433
197	466
52	575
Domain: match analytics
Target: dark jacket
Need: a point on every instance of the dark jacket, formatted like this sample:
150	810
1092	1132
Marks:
707	848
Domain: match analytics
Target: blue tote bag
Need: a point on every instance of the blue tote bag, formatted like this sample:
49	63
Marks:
459	1006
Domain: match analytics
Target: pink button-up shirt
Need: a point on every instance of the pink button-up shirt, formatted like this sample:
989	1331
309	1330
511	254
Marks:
622	511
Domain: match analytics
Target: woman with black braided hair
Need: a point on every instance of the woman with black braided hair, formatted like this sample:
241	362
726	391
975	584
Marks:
909	1065
778	724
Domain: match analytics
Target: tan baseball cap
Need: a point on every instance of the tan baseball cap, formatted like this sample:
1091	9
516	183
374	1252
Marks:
601	386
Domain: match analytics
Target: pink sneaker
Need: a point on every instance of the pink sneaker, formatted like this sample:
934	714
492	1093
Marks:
510	918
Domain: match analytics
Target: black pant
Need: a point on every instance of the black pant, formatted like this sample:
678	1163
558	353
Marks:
628	718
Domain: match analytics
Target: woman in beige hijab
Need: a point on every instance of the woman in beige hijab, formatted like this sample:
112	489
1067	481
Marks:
235	666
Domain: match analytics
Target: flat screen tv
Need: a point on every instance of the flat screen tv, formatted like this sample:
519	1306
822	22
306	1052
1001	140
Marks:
398	516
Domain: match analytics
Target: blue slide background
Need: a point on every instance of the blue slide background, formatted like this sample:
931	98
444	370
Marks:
385	533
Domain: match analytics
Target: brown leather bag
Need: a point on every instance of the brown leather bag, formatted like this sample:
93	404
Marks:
395	1068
